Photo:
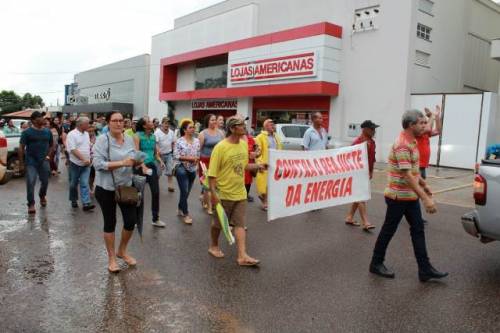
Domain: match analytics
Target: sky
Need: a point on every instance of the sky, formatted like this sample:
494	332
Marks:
44	43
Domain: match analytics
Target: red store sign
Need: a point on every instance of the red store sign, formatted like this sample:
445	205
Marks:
215	105
287	67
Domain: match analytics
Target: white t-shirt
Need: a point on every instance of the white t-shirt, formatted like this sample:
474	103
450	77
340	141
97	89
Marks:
81	142
164	141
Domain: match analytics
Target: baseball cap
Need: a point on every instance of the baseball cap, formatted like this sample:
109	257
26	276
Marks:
234	121
369	124
37	114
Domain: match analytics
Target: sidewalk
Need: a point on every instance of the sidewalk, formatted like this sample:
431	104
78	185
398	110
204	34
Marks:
451	186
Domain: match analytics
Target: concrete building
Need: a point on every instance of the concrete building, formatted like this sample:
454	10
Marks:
123	86
351	60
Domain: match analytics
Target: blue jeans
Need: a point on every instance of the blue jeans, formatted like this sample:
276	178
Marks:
185	179
41	171
395	212
79	175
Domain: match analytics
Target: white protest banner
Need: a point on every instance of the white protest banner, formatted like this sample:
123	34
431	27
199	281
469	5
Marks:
301	181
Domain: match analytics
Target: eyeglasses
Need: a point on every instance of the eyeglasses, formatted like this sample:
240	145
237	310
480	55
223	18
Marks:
117	121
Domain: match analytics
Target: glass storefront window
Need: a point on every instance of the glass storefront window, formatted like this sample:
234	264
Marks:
284	117
211	73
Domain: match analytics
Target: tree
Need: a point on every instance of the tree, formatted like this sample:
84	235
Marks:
12	102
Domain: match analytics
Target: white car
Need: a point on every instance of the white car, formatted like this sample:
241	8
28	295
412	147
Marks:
12	154
292	135
5	175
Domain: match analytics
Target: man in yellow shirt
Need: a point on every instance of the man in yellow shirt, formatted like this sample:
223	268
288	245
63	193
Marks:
226	176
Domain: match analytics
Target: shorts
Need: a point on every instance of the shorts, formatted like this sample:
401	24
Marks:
235	211
168	159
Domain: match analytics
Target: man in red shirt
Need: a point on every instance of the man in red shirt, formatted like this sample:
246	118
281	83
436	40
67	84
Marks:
367	134
423	141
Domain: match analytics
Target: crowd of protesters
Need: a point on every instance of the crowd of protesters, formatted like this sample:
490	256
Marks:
111	151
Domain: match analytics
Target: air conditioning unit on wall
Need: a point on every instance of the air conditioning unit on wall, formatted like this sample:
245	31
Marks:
366	19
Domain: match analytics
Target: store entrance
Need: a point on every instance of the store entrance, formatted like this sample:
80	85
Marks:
290	110
199	115
301	117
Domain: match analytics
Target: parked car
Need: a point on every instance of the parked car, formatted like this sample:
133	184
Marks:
484	221
291	136
12	154
5	174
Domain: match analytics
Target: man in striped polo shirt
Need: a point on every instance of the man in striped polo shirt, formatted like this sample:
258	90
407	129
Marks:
405	188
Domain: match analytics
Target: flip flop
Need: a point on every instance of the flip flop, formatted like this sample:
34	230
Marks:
368	227
171	189
249	263
353	223
217	254
114	271
131	263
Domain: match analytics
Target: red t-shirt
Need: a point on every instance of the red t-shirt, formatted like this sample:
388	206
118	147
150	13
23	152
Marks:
370	147
424	149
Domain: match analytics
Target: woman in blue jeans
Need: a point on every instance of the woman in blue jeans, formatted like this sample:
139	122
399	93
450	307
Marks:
187	155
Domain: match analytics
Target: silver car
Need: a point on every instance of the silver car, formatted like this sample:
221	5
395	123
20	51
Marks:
292	136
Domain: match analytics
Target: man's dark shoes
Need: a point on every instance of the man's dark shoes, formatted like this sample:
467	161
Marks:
74	204
88	207
431	273
381	270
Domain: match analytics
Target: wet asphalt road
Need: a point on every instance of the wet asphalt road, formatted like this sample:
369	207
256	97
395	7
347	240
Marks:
313	278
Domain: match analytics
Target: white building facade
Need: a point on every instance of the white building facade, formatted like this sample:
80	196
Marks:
351	60
123	86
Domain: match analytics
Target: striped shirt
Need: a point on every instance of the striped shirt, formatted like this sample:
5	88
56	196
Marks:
403	156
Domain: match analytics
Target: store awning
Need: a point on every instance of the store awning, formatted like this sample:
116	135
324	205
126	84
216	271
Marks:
99	108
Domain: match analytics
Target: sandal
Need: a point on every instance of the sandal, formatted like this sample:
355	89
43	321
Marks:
216	253
249	262
188	220
353	223
114	270
129	260
171	189
368	227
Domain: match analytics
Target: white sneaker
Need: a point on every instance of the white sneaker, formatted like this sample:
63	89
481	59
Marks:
158	224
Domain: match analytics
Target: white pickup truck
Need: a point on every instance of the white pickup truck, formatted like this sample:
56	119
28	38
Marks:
12	154
5	174
484	221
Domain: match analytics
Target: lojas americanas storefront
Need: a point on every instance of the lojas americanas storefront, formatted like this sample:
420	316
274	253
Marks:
286	76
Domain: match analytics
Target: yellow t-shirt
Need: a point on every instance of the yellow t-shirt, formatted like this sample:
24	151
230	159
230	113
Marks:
227	165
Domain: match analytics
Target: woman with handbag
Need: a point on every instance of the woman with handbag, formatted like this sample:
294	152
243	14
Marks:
114	159
145	141
187	155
